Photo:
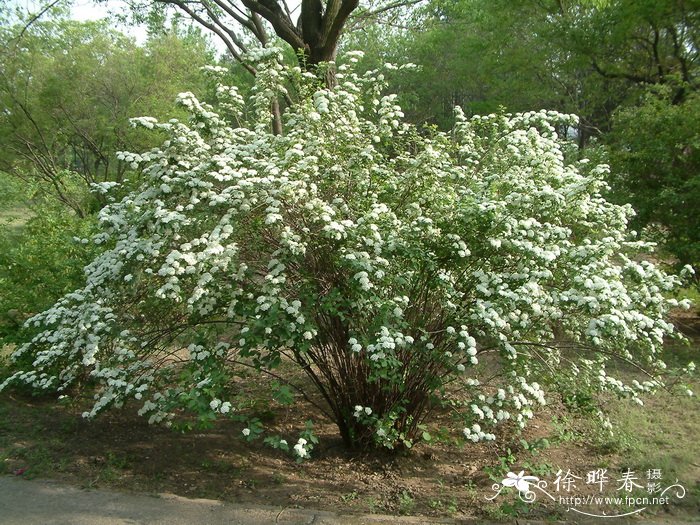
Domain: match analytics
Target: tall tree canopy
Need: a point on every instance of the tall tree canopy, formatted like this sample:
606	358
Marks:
312	27
577	56
68	90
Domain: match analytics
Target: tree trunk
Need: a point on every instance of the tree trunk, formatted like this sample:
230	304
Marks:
276	117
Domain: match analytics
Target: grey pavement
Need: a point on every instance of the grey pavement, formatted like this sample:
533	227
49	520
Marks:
33	502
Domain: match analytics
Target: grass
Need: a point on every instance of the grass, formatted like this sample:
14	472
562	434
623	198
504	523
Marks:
661	437
406	502
14	212
44	455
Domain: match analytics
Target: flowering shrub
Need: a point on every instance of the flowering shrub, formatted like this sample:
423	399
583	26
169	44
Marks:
400	271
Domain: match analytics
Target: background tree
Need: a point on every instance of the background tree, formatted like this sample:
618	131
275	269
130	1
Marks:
69	88
482	55
622	66
654	149
580	57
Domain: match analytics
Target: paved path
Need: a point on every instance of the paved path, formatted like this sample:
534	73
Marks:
24	502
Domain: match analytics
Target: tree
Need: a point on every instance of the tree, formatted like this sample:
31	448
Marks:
39	263
473	270
643	42
314	36
655	154
483	55
68	90
583	57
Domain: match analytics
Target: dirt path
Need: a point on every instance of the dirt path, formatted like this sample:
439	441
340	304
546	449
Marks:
35	502
46	503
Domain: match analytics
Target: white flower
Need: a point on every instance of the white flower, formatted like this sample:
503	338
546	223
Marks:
230	225
300	448
246	432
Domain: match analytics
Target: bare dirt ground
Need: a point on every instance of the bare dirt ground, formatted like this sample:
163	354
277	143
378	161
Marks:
43	438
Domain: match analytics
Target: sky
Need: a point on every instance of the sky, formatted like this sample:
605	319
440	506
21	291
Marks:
84	10
89	10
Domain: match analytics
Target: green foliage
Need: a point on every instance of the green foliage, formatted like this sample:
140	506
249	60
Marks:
484	54
277	442
282	393
583	57
538	469
406	502
39	263
69	89
564	432
505	463
655	154
13	194
395	269
535	446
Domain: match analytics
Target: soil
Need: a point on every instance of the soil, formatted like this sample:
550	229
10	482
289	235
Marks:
119	450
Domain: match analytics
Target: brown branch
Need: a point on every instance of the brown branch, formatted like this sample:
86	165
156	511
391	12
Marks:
245	21
34	19
331	34
619	75
677	53
230	32
213	28
255	17
310	21
282	24
389	7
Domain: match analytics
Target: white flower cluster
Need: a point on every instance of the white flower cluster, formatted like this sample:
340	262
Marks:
300	448
217	406
400	261
475	434
362	411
